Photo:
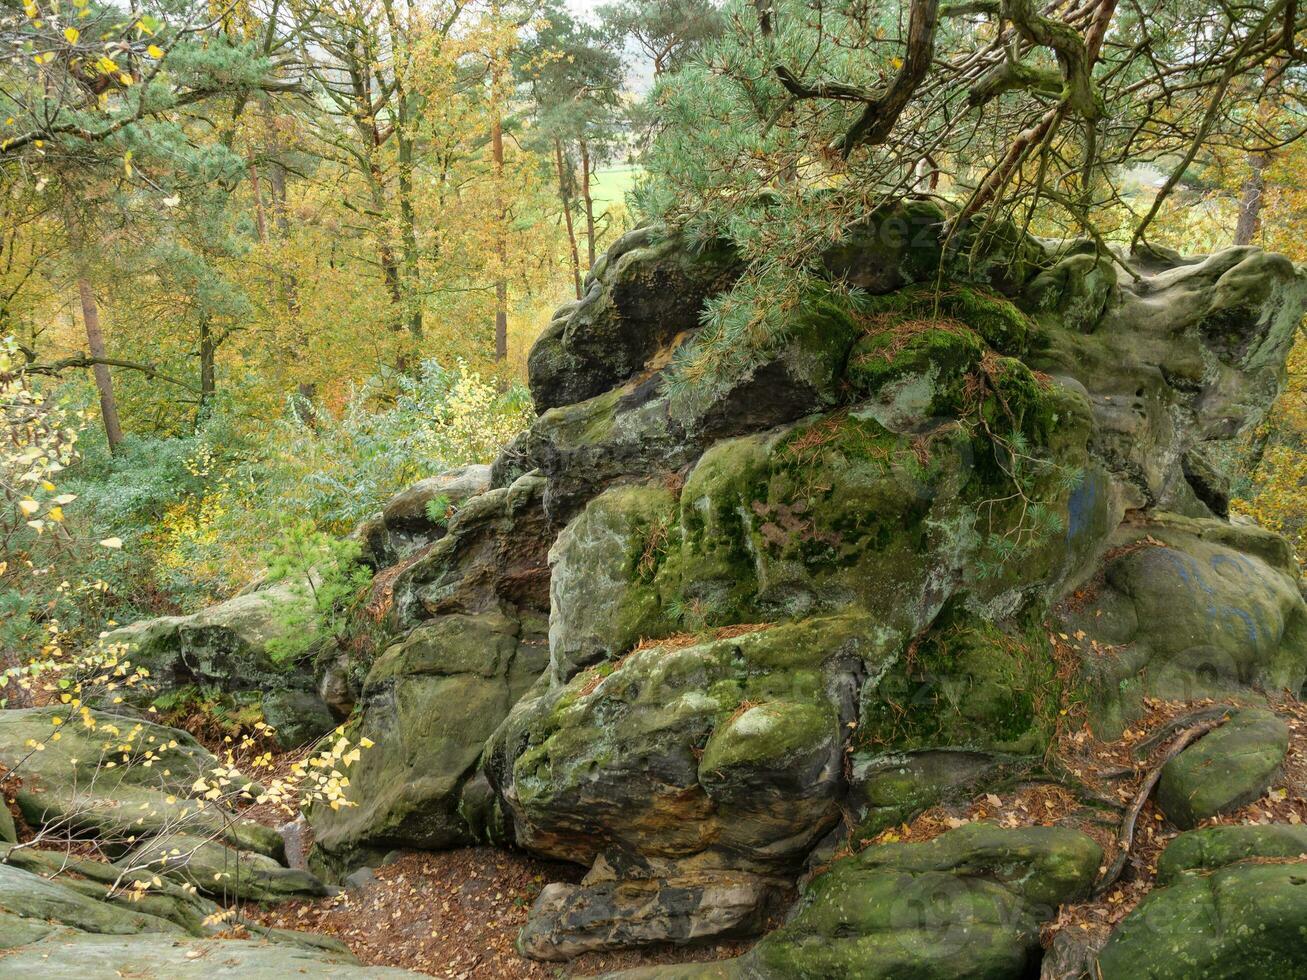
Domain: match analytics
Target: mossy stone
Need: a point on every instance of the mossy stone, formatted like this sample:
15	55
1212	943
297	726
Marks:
1245	920
1201	851
1223	770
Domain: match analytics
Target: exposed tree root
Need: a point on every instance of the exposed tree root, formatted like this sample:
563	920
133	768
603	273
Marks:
1125	839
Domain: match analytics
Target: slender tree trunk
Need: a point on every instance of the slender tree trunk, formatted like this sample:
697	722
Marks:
385	252
305	411
501	237
260	222
408	231
1249	225
113	431
589	201
566	197
208	373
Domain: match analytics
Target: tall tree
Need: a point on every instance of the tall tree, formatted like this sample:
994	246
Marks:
575	79
1028	114
666	31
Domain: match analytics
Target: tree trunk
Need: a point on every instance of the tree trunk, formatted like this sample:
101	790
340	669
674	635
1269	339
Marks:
260	222
589	201
208	374
566	198
113	431
408	232
1249	225
501	238
305	411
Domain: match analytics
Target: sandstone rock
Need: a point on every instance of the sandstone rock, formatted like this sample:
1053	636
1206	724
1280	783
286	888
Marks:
821	585
966	905
30	896
1223	770
405	524
1201	851
493	553
1244	920
77	956
569	920
428	704
220	871
94	880
124	803
1191	608
224	648
648	288
1181	359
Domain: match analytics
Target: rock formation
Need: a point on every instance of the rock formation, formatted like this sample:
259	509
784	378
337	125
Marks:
697	639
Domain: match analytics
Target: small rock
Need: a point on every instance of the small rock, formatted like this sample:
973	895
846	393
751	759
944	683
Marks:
360	879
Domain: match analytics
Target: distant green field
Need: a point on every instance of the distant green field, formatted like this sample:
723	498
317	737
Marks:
611	183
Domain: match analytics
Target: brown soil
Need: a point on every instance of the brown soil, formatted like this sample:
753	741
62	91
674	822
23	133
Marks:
456	914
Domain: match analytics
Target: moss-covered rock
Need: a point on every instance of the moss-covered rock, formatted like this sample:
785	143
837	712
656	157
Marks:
648	288
1201	851
77	956
428	705
418	515
1223	770
227	650
1245	920
968	684
968	904
1189	608
493	553
729	750
125	801
222	872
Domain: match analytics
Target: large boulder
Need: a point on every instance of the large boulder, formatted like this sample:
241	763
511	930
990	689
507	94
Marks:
969	904
236	650
1189	608
429	703
1224	769
1243	920
472	611
493	555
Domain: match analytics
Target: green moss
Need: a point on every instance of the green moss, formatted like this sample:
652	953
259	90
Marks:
768	734
994	319
967	684
586	423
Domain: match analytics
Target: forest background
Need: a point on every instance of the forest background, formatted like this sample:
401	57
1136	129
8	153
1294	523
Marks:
304	266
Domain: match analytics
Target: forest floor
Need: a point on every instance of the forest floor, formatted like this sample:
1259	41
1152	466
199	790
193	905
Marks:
1114	772
457	913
